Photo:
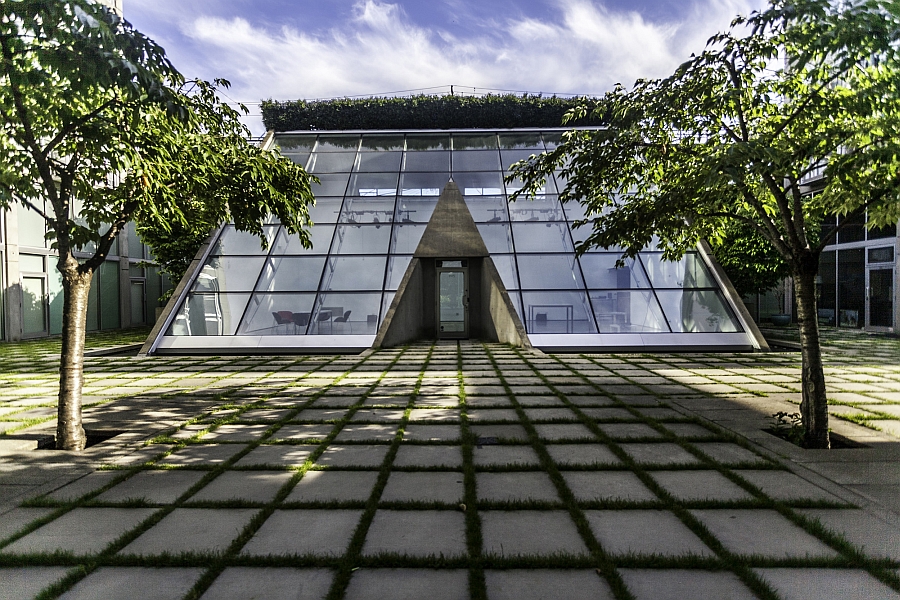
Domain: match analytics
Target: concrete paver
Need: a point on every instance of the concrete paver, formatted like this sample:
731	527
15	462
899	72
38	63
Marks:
531	533
155	487
192	530
679	584
362	455
428	456
516	486
592	486
761	532
497	455
249	583
700	485
80	531
409	584
287	455
538	584
334	486
324	533
123	583
417	533
424	487
249	486
626	532
27	582
846	584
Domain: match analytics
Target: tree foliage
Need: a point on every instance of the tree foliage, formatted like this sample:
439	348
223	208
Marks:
98	122
749	260
423	112
732	135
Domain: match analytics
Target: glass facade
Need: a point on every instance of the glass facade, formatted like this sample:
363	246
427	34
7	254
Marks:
376	195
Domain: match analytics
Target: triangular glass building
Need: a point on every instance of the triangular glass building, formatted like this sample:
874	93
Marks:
414	238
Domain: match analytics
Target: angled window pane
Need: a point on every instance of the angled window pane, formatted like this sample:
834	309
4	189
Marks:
319	235
386	305
547	186
346	314
485	141
229	274
396	269
696	311
574	210
373	184
326	210
540	208
354	273
557	312
406	238
298	158
330	184
552	139
372	162
549	271
521	141
506	266
381	143
332	162
628	312
337	143
689	272
209	314
476	160
497	237
487	209
542	237
411	209
438	161
416	142
360	239
600	272
368	210
423	184
479	184
277	314
509	157
516	298
233	241
295	143
291	274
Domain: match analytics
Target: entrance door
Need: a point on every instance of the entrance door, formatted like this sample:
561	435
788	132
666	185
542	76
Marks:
453	298
881	297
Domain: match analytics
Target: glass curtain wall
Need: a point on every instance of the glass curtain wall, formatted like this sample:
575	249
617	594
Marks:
375	197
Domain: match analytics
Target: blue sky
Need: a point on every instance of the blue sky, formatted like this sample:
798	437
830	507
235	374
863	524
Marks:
290	49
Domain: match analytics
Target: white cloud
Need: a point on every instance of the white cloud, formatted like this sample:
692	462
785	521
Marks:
587	49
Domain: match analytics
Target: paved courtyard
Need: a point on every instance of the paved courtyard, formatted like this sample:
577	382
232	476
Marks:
452	471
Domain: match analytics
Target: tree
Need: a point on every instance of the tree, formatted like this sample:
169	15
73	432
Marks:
730	137
98	122
750	261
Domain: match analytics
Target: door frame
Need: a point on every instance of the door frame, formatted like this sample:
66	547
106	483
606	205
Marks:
880	267
458	266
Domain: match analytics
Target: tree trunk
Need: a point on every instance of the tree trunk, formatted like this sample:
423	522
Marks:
76	286
814	403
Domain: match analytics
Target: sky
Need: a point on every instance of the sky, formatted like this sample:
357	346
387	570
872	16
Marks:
318	49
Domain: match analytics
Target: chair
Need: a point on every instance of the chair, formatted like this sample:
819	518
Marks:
323	316
283	317
301	320
344	318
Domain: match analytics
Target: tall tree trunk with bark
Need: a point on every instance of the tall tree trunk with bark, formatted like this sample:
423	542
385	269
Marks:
76	281
814	402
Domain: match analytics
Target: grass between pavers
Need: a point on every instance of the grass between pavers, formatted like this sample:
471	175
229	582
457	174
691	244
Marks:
475	562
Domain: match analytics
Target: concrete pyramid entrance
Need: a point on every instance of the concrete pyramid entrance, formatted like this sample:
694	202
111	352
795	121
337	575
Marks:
451	238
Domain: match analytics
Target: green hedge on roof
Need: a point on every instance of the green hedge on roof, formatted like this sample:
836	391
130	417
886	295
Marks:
420	112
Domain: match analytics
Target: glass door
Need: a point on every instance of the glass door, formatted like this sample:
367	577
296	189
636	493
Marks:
881	297
453	300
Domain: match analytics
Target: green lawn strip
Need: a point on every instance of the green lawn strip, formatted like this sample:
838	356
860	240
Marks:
604	564
734	563
351	560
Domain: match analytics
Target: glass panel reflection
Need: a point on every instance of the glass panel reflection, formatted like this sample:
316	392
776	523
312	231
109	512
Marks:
520	141
423	184
337	143
484	141
326	210
373	184
291	274
496	236
360	239
689	272
427	141
415	210
628	312
575	211
476	160
229	274
479	184
506	266
209	314
386	305
406	238
600	272
332	162
557	312
330	185
396	269
547	186
541	208
508	157
369	162
696	311
277	314
346	314
542	237
368	210
232	241
295	143
487	209
319	235
354	273
381	143
427	161
549	271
